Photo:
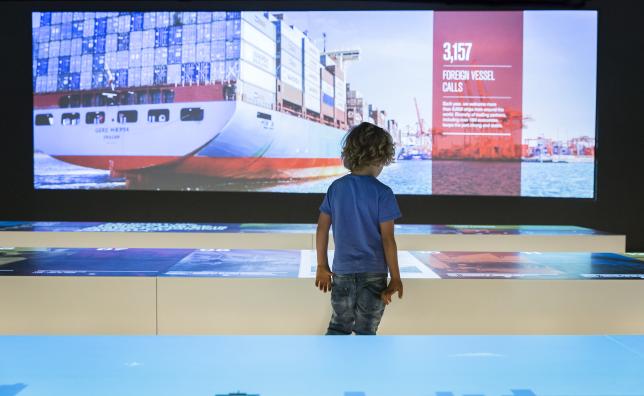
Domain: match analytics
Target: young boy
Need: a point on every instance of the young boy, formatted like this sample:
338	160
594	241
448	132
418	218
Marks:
362	211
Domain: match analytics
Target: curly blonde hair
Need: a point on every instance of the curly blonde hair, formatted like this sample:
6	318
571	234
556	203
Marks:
367	144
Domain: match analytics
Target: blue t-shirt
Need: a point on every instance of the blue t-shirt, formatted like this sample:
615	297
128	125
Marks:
357	205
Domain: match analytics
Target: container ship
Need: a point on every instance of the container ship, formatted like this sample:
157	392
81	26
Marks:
238	95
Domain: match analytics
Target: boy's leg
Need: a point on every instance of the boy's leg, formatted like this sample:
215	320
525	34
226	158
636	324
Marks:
369	306
343	302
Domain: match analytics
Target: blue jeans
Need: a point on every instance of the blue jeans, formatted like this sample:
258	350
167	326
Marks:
356	304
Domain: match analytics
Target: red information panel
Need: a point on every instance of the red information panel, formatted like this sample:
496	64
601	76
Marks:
477	106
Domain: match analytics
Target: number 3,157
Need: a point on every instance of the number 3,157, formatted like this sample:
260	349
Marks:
456	52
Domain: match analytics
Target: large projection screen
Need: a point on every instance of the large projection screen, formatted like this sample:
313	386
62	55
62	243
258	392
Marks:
498	103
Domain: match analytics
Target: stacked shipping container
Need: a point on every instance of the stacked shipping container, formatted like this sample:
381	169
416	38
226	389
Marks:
340	100
81	51
328	97
311	77
378	117
355	107
250	56
289	65
257	72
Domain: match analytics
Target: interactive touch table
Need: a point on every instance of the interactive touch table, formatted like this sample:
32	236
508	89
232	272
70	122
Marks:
233	291
491	238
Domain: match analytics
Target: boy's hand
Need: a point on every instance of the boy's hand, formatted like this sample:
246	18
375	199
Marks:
323	278
395	285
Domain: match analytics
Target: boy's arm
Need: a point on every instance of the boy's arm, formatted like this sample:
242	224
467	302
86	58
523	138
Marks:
391	256
323	273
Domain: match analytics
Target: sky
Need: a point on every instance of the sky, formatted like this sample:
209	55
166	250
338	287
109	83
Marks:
560	72
323	366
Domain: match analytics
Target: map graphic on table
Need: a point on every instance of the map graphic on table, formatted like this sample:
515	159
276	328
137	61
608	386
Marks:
238	263
61	226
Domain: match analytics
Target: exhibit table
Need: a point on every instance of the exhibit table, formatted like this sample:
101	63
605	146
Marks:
490	238
229	291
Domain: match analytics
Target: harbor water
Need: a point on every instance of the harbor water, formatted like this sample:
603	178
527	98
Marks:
404	177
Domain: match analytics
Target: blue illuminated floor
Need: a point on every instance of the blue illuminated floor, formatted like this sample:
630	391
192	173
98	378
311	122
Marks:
323	366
